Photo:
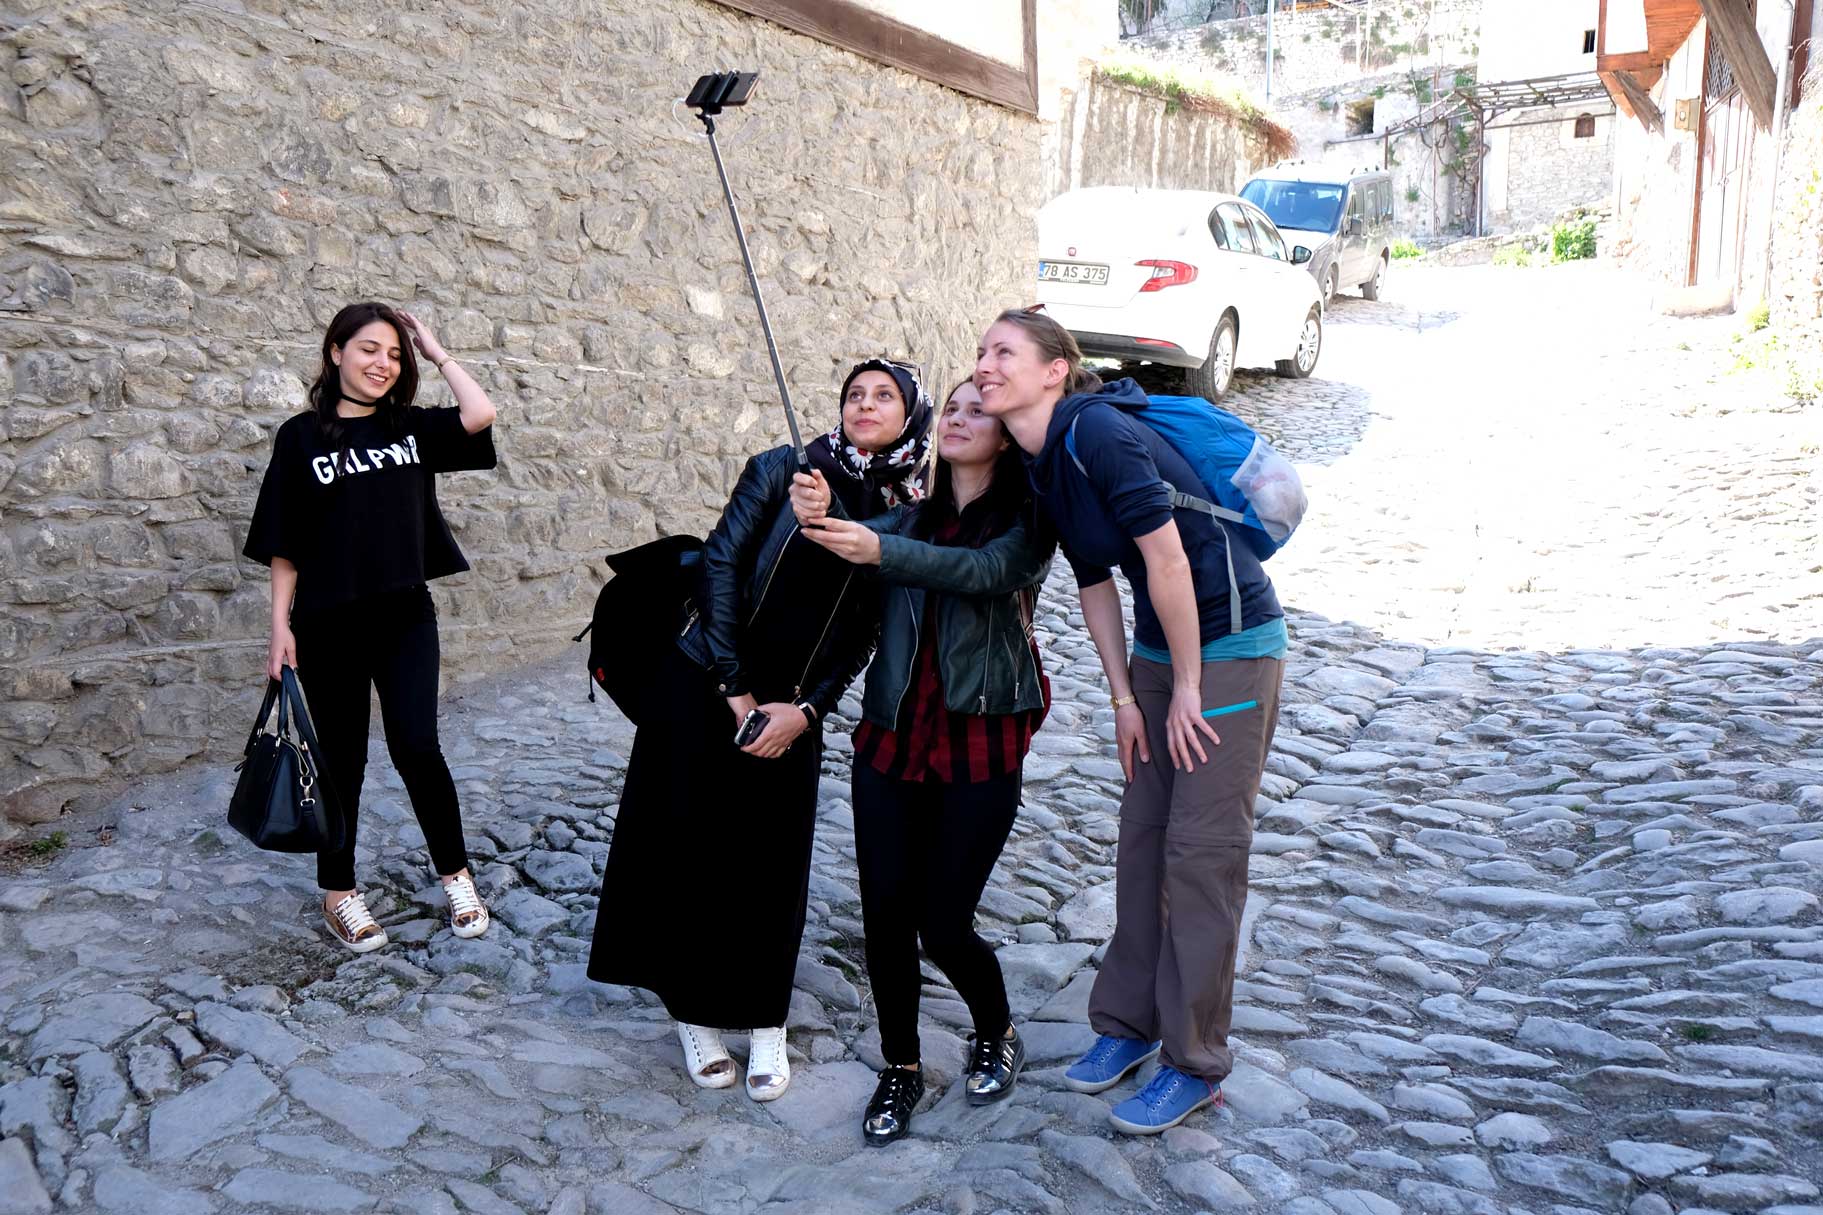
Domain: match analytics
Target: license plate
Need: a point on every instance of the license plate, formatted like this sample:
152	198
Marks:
1073	272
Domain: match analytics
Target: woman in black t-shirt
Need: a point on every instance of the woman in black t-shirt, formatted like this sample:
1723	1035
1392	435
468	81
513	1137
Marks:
347	518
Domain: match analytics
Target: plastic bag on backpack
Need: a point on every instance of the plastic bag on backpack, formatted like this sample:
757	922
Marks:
1272	487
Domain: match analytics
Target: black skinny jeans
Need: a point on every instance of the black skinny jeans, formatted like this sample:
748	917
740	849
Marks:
926	850
386	642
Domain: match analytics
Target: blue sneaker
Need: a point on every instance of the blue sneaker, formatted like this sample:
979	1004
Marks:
1107	1063
1168	1098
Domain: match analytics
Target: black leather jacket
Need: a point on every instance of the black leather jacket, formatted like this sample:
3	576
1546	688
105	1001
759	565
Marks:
739	558
984	614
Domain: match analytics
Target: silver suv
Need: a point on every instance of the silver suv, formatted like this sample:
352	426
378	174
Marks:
1345	217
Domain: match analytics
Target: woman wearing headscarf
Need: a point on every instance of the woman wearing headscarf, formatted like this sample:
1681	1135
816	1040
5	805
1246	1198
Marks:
704	896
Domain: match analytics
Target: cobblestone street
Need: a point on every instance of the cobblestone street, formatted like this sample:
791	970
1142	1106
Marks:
1534	923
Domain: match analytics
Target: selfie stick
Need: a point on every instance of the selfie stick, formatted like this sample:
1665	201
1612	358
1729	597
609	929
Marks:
710	95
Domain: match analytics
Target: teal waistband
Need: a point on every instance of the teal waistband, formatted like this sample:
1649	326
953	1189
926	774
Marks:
1267	640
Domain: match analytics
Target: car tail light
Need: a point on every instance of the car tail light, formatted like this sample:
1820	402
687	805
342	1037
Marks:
1167	274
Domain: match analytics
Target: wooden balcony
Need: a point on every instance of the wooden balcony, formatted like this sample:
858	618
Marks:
1668	23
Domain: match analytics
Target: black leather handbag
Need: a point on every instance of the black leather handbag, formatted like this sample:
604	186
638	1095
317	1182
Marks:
281	801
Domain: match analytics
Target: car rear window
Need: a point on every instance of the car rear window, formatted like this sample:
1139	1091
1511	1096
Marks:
1237	235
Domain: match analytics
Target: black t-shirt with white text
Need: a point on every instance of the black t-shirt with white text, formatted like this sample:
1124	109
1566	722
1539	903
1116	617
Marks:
359	517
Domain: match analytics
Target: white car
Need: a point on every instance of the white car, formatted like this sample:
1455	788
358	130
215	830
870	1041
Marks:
1186	278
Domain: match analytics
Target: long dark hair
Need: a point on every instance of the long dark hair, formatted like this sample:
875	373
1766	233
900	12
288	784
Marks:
1054	342
1006	500
328	387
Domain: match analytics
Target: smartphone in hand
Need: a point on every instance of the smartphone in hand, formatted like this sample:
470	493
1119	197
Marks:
752	726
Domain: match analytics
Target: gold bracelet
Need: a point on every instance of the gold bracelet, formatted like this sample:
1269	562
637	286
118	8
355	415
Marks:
1121	702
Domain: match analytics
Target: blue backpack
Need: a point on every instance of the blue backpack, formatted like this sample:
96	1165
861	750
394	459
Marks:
1248	483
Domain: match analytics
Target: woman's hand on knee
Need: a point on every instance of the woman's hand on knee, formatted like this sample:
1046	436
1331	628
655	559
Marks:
283	652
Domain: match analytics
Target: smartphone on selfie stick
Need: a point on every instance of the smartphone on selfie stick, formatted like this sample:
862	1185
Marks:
711	95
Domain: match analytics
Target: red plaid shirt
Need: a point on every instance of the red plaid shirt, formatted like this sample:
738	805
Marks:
933	743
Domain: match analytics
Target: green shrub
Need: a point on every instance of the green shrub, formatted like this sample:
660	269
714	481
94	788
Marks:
49	845
1411	194
1573	242
1183	89
1513	255
1403	248
1758	317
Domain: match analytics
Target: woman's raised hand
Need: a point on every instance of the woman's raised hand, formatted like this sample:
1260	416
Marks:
423	338
849	541
809	498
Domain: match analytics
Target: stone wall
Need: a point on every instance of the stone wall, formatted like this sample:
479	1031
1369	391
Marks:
192	190
1109	134
1536	167
1796	297
1315	48
1655	177
1428	199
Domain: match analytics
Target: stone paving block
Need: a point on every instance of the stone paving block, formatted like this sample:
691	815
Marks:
22	1191
370	1119
199	1116
297	1191
120	1190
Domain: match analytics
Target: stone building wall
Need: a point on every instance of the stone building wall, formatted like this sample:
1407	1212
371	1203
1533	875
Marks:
1428	199
1109	134
1655	177
1796	297
1315	48
191	190
1537	168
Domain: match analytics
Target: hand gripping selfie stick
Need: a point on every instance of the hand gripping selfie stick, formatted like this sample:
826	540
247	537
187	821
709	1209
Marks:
712	94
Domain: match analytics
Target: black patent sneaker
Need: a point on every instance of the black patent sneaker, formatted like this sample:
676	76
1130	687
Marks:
993	1068
889	1114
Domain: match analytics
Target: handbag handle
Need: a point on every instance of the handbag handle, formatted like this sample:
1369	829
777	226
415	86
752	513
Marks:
259	723
292	702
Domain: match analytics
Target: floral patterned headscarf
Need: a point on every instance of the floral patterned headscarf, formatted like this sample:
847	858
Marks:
899	472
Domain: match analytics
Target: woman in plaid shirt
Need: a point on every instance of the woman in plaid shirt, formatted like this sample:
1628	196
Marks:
953	697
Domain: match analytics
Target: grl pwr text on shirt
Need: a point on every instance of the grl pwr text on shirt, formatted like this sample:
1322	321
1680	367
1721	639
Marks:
400	454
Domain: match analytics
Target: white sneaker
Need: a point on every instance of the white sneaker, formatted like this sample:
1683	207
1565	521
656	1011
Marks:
354	925
705	1058
768	1068
467	913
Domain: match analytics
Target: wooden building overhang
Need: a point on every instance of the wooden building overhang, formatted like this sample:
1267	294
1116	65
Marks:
1629	74
1668	23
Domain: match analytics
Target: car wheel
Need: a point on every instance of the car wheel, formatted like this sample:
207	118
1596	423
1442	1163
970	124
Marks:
1211	380
1329	288
1310	346
1371	289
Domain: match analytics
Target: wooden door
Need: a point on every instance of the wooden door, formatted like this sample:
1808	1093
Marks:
1726	146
